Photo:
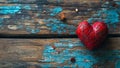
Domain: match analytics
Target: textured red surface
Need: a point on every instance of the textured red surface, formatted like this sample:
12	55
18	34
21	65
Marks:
92	35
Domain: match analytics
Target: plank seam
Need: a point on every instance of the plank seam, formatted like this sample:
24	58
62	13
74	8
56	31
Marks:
44	36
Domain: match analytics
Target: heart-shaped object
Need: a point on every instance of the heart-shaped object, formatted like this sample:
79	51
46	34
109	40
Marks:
92	35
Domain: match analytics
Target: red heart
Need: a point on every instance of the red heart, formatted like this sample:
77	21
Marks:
92	36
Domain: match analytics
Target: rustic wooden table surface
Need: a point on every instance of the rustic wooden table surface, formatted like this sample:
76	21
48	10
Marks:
41	33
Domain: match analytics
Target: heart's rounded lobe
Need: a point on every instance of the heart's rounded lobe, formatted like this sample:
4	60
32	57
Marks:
92	35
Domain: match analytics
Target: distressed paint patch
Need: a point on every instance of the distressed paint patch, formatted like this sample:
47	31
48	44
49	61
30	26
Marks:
84	58
55	11
109	14
18	8
9	9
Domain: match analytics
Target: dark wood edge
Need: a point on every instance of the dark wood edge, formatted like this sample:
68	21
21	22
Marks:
43	36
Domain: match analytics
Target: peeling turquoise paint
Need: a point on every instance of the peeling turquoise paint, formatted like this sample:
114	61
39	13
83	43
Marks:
13	9
84	58
18	9
109	14
55	11
9	9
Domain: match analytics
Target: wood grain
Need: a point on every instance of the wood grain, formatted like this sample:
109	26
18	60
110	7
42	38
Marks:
28	53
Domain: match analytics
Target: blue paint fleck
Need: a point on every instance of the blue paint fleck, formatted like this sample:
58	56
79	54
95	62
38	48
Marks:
55	11
9	9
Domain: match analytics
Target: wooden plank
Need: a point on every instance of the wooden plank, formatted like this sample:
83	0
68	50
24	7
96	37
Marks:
45	17
36	53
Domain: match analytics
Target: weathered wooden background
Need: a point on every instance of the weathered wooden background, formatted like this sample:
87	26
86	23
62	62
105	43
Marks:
25	26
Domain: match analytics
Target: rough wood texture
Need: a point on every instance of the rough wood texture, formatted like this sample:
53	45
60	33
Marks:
44	17
37	53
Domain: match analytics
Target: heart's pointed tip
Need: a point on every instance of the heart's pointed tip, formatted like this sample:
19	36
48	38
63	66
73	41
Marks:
90	47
